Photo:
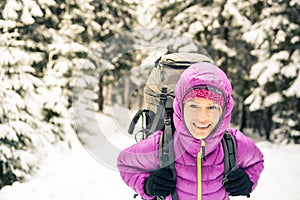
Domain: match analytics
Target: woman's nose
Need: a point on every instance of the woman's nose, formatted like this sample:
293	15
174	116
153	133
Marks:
203	114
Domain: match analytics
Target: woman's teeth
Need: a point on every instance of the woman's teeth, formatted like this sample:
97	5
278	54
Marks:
201	125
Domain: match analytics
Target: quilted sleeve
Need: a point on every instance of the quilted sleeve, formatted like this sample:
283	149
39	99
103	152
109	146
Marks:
248	157
137	161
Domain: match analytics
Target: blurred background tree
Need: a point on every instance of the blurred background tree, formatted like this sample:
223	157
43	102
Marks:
274	98
42	45
257	44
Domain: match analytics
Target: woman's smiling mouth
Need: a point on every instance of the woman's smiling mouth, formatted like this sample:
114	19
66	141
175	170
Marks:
201	126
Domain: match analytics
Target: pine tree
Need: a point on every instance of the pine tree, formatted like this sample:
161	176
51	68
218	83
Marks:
105	20
275	36
43	46
218	26
241	34
20	62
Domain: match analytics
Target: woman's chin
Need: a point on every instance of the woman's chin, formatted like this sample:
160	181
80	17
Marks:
201	135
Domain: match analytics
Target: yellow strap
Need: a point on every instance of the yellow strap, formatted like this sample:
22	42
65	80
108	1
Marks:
199	170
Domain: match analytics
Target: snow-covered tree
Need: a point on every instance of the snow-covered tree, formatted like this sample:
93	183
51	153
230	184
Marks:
276	41
21	57
43	44
147	45
218	26
104	20
241	34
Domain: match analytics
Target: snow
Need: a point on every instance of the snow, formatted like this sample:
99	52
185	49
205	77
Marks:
263	73
254	99
289	71
294	88
238	19
273	98
221	46
10	10
76	174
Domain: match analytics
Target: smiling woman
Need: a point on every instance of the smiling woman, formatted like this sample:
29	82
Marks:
202	111
201	116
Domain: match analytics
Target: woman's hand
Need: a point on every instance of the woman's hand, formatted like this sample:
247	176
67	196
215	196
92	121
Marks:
160	183
238	183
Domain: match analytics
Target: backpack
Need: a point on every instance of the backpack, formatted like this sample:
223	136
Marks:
158	114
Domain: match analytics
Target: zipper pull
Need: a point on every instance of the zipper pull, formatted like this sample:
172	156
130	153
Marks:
203	149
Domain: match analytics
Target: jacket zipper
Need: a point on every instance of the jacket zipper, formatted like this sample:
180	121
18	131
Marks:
199	169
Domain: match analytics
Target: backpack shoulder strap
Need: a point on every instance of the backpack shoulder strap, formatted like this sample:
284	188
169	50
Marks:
229	148
166	150
166	145
160	113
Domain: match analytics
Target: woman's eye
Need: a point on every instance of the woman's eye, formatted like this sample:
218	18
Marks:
212	107
193	106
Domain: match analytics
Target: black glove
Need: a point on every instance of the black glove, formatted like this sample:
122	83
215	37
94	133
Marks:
160	183
237	182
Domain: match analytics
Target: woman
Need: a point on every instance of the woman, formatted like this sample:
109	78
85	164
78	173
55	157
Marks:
202	112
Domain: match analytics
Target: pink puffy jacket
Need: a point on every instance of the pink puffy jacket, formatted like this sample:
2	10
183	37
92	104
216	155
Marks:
136	162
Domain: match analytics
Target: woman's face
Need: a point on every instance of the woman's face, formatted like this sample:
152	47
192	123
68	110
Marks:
201	116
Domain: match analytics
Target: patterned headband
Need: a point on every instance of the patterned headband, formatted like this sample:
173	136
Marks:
206	93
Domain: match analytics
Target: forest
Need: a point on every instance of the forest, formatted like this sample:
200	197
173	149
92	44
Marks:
55	53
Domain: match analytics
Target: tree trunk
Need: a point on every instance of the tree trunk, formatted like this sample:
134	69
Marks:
268	122
243	123
100	93
126	95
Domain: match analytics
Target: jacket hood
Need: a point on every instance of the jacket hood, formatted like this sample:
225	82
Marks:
208	75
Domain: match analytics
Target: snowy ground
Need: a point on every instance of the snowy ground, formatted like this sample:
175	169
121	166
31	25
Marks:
76	175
